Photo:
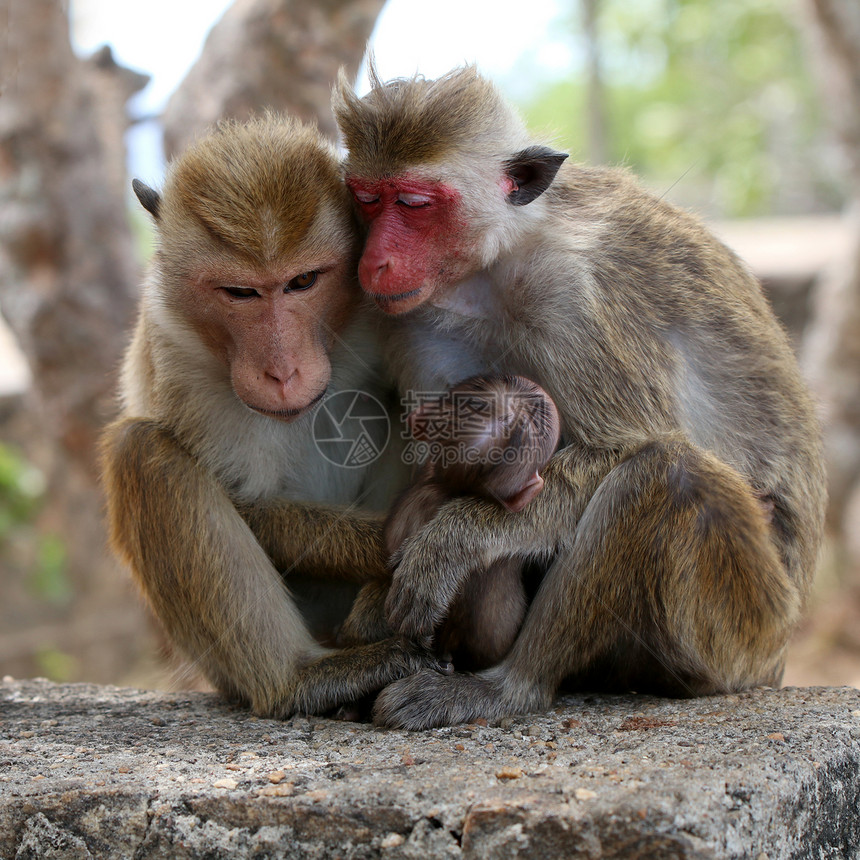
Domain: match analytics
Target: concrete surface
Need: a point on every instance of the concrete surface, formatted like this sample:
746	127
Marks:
106	772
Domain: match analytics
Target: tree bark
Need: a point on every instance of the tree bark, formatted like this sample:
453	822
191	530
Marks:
68	286
271	54
832	352
68	272
828	645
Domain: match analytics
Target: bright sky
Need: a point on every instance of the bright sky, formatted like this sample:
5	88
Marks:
432	38
164	37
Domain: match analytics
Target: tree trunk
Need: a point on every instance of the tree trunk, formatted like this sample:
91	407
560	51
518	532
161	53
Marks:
827	649
271	54
68	284
597	144
832	352
68	276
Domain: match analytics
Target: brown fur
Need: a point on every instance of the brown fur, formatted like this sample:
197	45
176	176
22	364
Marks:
383	124
512	432
493	435
683	519
229	356
254	188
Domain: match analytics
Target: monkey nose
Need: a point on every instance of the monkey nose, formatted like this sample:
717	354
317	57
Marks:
281	379
372	269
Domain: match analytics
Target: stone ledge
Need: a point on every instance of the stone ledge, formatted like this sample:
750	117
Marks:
104	772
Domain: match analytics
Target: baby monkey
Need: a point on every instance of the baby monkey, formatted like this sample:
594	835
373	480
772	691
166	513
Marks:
489	436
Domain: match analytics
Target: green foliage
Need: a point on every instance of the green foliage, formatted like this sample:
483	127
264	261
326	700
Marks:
57	665
21	490
48	579
142	231
21	487
712	95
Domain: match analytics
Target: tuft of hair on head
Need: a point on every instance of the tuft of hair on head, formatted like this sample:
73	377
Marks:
255	186
407	121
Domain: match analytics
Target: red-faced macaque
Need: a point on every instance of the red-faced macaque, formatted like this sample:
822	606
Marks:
683	516
250	314
487	437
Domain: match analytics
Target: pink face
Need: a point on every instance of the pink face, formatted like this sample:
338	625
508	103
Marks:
416	243
272	331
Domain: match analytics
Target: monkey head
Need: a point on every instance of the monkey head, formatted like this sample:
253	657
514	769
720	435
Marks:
441	172
256	254
493	435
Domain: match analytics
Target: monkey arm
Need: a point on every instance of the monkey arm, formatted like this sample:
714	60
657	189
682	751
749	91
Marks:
319	541
215	590
205	576
468	531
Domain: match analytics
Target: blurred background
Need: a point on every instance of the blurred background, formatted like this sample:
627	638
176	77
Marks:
746	111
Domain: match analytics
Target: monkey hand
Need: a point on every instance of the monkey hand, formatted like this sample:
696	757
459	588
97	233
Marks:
366	621
347	675
431	567
411	615
433	698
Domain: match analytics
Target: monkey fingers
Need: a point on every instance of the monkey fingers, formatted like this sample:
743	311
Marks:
424	586
469	532
342	677
428	699
432	564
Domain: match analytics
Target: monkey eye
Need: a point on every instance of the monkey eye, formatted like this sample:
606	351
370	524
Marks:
415	201
364	196
301	282
241	292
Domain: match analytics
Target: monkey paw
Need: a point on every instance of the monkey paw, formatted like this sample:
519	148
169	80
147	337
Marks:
429	699
410	613
366	621
345	676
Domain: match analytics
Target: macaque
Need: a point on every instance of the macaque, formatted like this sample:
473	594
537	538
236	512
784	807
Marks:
681	520
488	437
249	316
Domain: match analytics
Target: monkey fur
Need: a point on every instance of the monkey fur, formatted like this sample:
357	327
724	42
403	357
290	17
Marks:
250	314
682	519
489	437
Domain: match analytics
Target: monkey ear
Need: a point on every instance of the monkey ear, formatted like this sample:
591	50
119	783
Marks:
532	171
149	198
522	497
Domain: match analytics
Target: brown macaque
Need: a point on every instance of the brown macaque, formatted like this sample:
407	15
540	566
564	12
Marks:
488	437
250	315
682	519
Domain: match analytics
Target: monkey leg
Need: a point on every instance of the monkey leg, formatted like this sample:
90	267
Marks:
216	592
434	564
483	623
485	616
672	584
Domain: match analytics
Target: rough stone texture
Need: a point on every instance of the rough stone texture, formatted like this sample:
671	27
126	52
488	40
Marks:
106	772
